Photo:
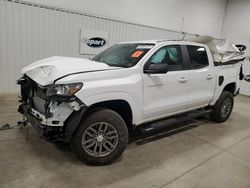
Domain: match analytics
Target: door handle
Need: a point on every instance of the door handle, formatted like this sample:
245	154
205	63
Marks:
183	80
209	77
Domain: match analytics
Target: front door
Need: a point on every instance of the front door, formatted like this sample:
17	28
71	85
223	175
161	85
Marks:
166	94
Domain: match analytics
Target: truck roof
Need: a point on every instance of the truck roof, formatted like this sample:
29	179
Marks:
150	41
195	41
220	54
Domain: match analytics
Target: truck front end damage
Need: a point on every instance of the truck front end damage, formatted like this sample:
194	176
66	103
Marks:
48	108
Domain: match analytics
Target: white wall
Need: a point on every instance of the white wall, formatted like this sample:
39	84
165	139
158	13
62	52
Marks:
237	19
237	30
29	33
201	16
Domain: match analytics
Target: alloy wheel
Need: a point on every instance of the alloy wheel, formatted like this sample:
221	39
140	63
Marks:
100	139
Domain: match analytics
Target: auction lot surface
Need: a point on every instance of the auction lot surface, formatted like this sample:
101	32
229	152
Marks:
197	154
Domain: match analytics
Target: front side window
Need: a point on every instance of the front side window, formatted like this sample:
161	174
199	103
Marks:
198	57
171	55
123	55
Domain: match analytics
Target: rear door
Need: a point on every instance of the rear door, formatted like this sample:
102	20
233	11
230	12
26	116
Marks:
202	76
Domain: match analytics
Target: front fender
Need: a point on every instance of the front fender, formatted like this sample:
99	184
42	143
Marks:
102	97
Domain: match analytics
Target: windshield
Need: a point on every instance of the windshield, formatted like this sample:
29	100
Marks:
123	55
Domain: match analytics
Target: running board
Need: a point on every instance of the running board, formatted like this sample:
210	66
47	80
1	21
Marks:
173	120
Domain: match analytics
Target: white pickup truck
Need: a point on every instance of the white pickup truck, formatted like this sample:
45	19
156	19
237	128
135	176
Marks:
92	104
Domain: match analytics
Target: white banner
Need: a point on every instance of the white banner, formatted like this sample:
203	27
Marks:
93	42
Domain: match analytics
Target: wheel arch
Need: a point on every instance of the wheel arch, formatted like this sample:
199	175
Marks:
230	87
121	106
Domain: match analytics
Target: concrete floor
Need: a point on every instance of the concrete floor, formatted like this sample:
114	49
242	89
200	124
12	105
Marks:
198	154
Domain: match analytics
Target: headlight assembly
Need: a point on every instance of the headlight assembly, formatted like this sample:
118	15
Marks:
63	89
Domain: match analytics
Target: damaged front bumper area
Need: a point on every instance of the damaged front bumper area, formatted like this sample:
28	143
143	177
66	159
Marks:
50	116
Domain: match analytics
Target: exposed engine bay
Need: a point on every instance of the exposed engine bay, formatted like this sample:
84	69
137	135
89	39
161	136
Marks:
47	112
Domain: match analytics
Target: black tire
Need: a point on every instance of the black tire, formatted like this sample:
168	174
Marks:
223	107
114	124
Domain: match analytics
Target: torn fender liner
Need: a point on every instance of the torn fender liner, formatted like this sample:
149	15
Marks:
72	123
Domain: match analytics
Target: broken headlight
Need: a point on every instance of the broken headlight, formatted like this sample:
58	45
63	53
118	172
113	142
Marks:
63	89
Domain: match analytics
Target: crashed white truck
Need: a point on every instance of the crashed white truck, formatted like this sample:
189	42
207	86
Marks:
92	104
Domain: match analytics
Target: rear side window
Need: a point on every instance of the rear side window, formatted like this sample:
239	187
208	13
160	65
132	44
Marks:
198	57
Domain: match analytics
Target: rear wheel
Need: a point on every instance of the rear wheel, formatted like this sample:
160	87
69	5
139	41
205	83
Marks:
101	138
223	107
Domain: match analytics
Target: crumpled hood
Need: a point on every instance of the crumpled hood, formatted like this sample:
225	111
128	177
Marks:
46	71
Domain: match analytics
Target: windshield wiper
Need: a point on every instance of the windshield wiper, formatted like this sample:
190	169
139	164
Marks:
112	65
115	65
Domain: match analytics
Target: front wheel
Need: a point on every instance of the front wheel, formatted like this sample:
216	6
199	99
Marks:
101	138
223	107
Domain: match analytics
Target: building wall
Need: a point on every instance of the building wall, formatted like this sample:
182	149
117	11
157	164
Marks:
29	32
201	16
236	29
237	19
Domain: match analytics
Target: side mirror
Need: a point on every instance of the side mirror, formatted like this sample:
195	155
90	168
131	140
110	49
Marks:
160	68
